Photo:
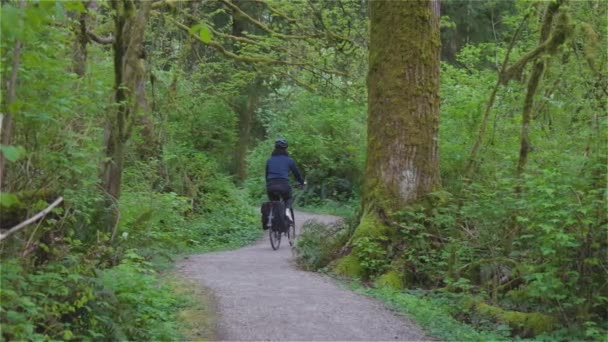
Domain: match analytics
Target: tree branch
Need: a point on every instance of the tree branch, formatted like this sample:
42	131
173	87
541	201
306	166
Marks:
31	219
100	40
276	11
549	44
264	27
253	59
325	29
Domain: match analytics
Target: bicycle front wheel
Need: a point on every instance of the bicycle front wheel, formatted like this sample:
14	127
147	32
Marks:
291	230
291	234
275	238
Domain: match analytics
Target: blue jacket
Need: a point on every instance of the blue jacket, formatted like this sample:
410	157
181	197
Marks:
278	167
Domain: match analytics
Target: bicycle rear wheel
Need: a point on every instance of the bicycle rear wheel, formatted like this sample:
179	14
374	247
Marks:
275	238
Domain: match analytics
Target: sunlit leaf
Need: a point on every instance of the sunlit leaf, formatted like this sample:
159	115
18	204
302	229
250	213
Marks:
8	199
205	34
202	31
12	153
75	6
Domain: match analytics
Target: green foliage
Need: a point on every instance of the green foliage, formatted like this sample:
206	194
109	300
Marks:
326	138
433	315
202	31
153	221
142	309
534	249
200	123
12	153
70	300
317	244
533	243
372	254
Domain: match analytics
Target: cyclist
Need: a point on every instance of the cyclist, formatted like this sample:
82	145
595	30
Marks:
277	173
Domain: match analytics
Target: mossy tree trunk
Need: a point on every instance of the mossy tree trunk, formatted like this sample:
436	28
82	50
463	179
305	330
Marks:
130	21
246	108
536	76
246	103
403	117
79	46
473	163
403	95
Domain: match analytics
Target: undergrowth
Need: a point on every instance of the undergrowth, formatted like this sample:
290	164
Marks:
433	315
73	289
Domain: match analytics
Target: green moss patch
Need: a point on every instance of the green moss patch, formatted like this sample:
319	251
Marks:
371	226
391	279
348	266
529	324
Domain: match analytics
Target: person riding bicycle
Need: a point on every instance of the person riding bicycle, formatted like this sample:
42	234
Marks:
277	173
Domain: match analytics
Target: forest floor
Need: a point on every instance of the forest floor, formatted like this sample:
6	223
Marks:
260	294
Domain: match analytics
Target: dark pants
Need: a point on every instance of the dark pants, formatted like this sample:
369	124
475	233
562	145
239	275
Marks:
279	189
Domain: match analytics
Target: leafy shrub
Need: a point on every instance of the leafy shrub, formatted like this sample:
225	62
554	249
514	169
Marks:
372	255
318	244
69	300
531	242
326	138
153	221
141	308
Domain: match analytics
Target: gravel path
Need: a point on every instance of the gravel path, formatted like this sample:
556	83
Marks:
262	296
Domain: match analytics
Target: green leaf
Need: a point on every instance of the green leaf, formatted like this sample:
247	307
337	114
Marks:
75	6
194	29
205	34
12	153
8	199
202	31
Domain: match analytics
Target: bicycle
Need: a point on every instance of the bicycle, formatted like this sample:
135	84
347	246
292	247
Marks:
274	233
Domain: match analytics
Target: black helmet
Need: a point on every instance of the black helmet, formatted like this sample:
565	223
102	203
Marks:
280	143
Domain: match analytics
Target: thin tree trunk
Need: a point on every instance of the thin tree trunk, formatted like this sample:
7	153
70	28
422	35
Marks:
472	162
79	47
245	104
246	113
537	73
128	72
6	124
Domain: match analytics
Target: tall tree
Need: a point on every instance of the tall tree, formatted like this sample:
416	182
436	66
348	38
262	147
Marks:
6	120
403	115
130	20
536	76
247	102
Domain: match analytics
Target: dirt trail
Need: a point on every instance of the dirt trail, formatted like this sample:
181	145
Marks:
261	295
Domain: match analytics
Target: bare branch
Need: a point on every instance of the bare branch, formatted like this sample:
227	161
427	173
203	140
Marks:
100	40
31	219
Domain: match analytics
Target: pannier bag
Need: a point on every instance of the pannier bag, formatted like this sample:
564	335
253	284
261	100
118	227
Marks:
265	211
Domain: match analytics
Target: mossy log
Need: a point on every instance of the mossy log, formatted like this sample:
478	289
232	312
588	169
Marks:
524	324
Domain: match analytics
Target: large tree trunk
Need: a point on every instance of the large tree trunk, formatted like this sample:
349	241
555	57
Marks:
128	72
403	116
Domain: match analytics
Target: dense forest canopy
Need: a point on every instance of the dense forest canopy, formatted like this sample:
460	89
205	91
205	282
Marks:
143	128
